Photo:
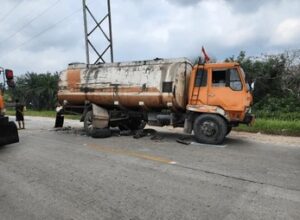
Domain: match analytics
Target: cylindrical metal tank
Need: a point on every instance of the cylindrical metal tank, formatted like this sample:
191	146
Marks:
153	84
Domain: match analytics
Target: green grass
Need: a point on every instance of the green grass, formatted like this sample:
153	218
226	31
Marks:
51	114
273	126
277	115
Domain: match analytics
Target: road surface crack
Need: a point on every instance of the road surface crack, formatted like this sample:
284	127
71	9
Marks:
234	177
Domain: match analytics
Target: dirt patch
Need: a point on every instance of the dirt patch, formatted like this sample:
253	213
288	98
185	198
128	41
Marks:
265	138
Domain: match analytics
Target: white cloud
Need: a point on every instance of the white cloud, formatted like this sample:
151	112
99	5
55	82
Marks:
287	32
146	29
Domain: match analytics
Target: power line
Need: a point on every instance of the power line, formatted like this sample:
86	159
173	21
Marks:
31	21
10	11
42	32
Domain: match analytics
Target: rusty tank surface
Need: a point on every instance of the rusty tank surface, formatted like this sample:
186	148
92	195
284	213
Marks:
152	84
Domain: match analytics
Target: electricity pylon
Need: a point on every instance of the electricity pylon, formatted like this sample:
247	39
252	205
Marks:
89	32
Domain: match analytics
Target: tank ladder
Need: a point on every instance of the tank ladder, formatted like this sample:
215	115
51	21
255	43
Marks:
195	97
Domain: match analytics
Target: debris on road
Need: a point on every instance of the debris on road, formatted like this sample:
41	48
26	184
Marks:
183	141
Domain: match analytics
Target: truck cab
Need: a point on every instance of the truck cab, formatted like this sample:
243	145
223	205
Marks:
219	90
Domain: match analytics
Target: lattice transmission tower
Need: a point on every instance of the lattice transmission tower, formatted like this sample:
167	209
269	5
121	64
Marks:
94	46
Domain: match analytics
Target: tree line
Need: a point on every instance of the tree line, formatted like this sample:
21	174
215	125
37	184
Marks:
276	77
277	81
36	91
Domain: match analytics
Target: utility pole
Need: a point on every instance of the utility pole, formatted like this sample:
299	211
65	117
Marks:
89	33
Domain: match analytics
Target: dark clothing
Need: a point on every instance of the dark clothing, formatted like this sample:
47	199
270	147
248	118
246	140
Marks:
19	112
59	121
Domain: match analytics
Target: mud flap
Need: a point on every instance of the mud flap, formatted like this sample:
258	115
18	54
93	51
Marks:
100	117
8	134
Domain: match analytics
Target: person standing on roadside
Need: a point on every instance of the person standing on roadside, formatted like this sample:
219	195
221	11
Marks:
20	114
59	122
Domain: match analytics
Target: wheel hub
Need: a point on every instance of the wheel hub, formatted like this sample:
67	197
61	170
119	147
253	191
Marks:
208	128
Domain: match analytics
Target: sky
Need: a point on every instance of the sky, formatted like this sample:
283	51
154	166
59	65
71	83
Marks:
45	35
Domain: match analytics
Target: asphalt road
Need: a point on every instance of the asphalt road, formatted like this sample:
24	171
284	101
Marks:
66	175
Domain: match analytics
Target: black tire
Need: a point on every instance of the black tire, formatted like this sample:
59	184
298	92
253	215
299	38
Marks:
101	133
9	134
3	121
210	129
137	125
132	125
229	128
88	123
123	127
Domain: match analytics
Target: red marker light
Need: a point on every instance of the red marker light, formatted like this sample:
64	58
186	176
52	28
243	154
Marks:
9	74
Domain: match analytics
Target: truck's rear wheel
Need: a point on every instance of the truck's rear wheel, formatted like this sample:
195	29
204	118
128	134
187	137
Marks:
136	124
101	133
94	132
88	123
210	129
133	125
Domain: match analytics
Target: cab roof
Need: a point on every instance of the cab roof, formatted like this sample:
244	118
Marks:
220	65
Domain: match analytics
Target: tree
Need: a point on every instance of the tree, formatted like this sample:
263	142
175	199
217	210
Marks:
277	79
291	80
37	91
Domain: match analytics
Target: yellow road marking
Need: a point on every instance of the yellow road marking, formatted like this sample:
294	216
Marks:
131	154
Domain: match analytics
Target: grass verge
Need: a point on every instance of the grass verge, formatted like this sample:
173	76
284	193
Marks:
273	126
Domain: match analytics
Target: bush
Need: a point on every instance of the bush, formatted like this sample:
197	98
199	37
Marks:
287	108
285	104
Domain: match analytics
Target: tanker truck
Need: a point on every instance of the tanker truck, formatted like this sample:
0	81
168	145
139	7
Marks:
8	129
206	99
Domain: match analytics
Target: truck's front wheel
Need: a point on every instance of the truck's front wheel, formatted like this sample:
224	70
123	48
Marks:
210	129
229	128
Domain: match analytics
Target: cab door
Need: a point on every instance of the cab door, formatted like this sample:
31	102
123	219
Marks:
225	89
